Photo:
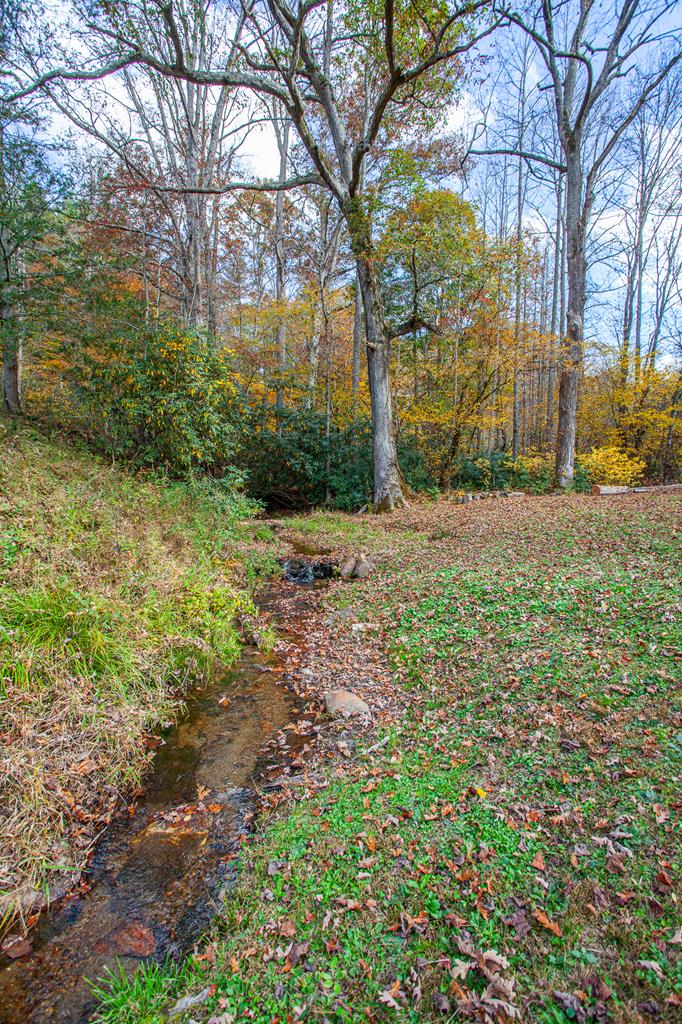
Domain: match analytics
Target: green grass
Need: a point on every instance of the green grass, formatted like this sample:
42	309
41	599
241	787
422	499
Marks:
517	839
115	592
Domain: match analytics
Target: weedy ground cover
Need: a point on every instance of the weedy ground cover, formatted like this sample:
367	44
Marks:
511	851
114	593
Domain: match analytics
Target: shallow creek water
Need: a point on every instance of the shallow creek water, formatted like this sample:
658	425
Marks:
158	873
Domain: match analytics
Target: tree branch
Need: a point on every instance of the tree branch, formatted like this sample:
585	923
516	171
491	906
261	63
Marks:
554	164
414	323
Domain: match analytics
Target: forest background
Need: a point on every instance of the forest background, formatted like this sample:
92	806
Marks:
211	213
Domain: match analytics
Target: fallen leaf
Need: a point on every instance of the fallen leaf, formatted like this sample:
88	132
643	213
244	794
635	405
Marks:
391	995
541	917
296	951
651	965
441	1003
15	946
136	939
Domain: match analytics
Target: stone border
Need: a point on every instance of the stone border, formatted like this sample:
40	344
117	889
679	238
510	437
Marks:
598	489
463	499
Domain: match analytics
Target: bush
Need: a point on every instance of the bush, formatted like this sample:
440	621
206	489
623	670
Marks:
487	470
496	471
295	464
533	472
168	400
612	465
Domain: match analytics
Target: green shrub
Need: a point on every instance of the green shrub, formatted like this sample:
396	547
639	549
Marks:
295	464
167	400
483	471
533	472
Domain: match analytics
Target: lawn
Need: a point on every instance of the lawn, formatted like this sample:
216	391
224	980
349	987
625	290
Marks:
511	850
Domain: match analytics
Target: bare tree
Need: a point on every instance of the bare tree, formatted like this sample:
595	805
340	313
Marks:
25	184
169	131
586	55
282	129
652	217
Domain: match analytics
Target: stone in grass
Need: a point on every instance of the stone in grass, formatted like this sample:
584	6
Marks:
609	489
359	567
363	567
343	702
348	567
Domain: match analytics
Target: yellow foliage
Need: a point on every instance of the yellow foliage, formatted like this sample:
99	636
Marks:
612	465
534	463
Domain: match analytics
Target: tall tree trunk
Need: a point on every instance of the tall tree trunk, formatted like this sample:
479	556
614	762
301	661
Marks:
357	324
388	480
573	347
313	358
357	345
555	325
11	352
520	197
445	477
280	256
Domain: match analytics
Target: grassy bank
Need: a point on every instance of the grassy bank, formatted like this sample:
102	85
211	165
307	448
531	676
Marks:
512	851
114	592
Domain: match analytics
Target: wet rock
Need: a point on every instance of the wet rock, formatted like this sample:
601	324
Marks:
297	570
343	702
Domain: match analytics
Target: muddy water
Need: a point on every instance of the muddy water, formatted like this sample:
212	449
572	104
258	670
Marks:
157	876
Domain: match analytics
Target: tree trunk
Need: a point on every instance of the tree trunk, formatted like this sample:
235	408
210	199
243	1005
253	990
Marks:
573	345
313	359
357	345
555	326
388	481
518	282
445	477
11	354
280	258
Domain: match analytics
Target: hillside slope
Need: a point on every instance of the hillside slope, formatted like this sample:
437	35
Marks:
114	592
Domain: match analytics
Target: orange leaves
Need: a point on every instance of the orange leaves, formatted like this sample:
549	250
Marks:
538	861
287	928
408	924
542	918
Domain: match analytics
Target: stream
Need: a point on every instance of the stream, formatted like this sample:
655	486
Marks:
158	874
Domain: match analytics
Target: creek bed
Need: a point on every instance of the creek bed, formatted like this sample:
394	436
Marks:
157	876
